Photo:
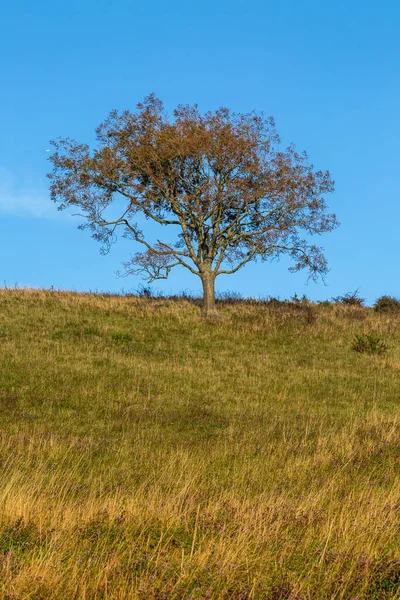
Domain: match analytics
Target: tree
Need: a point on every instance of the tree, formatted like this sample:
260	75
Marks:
219	180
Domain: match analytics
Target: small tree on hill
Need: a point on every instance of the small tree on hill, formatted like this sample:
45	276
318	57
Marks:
219	180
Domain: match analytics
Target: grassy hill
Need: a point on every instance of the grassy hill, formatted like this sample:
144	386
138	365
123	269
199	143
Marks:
148	453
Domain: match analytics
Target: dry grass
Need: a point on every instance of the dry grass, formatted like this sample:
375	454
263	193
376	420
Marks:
147	453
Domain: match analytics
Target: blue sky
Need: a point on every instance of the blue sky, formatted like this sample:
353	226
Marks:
327	71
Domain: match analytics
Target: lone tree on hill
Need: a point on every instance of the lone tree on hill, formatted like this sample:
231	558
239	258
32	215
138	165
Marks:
219	180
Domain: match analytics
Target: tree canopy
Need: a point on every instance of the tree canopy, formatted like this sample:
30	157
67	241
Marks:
220	180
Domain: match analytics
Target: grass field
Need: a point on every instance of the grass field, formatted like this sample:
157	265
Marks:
146	452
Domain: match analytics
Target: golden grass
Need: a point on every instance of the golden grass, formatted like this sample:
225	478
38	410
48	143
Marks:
148	453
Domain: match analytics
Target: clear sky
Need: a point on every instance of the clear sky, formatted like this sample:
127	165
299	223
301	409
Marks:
328	71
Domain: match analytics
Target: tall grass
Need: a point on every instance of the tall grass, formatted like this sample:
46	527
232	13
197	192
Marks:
148	453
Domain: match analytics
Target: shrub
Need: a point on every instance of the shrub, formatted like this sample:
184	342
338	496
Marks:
145	291
229	297
387	304
369	343
350	299
296	300
324	303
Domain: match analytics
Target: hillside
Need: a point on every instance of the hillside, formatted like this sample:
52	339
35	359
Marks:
148	453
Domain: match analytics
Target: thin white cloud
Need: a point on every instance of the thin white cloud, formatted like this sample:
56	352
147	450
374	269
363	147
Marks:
24	198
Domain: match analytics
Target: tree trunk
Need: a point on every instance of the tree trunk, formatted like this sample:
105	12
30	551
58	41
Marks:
208	281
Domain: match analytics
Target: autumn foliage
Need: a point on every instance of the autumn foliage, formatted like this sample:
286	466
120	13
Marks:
221	181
